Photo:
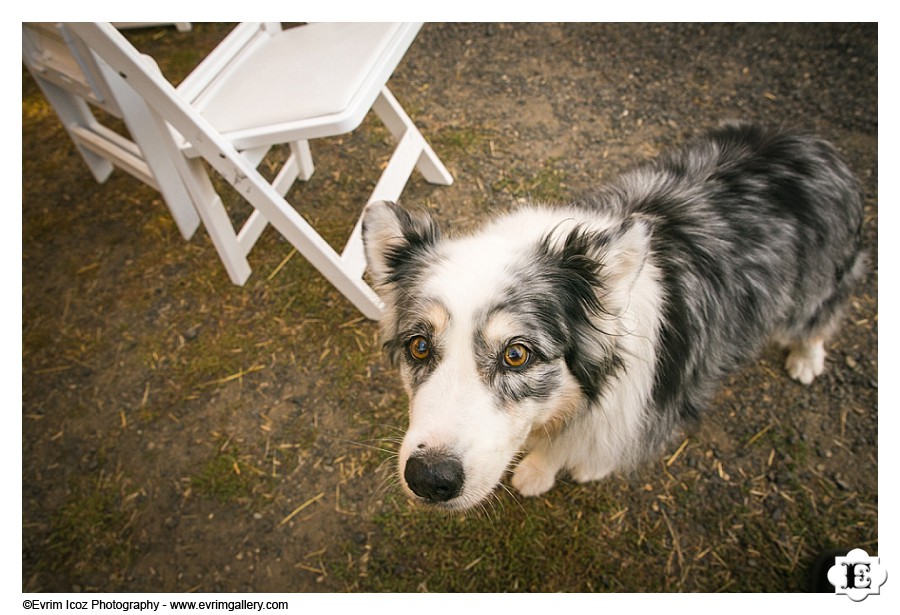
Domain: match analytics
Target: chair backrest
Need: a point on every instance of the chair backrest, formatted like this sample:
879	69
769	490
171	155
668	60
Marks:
50	51
242	39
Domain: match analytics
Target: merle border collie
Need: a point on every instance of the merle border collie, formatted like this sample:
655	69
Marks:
581	338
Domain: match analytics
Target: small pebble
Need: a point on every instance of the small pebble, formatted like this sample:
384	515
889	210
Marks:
841	482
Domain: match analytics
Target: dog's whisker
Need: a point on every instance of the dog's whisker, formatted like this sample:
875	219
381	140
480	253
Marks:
515	498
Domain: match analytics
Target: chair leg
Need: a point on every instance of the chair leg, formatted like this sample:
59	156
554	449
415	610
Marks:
215	219
432	169
159	152
300	150
360	295
271	207
399	124
285	219
412	151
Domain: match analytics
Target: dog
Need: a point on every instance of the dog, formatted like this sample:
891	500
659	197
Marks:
582	338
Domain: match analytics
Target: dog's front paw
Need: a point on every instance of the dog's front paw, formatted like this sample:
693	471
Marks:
533	477
805	361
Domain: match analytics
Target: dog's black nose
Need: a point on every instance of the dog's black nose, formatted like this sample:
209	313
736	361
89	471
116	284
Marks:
437	478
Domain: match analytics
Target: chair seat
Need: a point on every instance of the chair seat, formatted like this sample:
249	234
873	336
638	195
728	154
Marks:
306	72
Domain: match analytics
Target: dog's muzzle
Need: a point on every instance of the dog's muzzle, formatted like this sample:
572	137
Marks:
434	476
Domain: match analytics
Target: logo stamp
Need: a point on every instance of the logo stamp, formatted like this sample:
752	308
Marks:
857	575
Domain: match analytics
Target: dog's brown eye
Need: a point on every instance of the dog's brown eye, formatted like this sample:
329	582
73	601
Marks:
516	355
419	348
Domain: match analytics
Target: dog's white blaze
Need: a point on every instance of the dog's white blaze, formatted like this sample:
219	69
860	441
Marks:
454	410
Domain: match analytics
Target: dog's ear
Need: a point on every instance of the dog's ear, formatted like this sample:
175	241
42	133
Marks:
392	238
612	258
626	253
595	274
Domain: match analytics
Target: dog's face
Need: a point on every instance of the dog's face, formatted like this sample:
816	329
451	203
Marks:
495	336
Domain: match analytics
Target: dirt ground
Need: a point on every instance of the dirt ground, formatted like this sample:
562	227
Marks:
183	434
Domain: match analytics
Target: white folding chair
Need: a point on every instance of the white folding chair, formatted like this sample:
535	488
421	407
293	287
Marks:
70	79
264	86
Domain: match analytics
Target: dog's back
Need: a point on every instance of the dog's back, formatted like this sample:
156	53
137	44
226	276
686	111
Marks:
757	233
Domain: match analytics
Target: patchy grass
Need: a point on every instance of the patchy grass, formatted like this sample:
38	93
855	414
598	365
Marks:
91	530
601	545
547	184
462	141
222	478
701	521
512	546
